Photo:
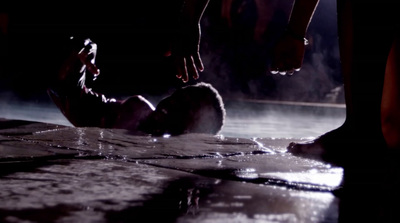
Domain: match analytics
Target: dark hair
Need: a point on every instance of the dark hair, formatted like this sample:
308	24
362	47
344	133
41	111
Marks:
204	108
192	109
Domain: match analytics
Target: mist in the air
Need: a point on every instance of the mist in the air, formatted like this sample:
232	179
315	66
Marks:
237	37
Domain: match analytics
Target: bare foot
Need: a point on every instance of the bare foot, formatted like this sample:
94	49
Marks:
341	147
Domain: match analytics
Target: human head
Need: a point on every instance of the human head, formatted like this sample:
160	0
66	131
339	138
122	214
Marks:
192	109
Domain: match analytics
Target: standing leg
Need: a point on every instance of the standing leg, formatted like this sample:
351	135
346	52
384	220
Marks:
364	40
391	98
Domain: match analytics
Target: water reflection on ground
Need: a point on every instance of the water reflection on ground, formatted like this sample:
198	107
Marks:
108	175
52	173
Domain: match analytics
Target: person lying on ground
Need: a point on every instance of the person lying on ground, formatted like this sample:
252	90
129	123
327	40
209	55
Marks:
195	108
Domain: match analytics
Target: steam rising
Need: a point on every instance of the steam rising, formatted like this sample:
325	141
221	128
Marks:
235	52
235	47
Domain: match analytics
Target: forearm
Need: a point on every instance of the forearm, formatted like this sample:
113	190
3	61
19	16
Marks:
193	11
301	15
79	104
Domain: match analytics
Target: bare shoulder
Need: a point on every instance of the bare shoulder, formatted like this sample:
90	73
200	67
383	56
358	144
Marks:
133	110
137	101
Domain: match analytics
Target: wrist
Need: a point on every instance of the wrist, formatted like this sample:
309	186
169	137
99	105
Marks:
292	34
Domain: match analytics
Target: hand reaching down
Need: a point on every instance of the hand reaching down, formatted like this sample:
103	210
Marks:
288	54
185	51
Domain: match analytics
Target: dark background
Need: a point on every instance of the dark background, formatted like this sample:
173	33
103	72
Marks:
237	36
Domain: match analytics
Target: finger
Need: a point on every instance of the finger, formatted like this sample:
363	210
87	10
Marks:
87	58
93	49
296	66
90	65
87	52
277	66
288	65
92	69
182	70
282	66
198	62
295	61
293	70
89	48
191	67
178	65
274	71
273	67
185	77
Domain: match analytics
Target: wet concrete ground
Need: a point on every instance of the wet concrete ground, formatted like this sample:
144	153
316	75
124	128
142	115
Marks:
56	173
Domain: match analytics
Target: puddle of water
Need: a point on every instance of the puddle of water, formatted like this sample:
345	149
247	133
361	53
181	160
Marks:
230	177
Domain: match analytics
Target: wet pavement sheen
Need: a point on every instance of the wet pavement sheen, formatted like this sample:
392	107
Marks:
55	173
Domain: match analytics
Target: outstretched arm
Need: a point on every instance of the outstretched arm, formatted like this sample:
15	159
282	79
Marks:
82	106
79	104
288	54
186	47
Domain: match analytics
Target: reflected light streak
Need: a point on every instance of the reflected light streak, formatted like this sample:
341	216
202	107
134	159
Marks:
331	178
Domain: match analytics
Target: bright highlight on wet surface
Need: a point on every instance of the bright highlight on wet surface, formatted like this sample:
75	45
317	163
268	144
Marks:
244	174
